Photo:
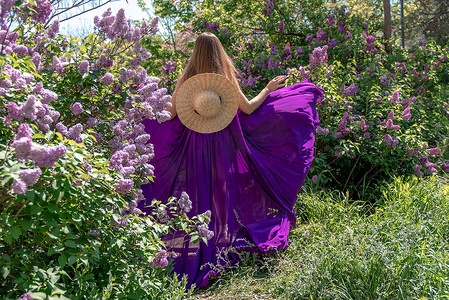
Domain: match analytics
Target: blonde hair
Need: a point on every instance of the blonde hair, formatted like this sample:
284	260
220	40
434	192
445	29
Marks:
209	56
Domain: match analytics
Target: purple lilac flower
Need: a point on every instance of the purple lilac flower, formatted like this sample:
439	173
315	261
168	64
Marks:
107	79
445	167
46	157
83	67
127	171
77	108
281	26
332	43
119	159
433	151
321	36
160	260
391	143
203	230
390	125
299	51
384	80
19	186
406	115
417	170
41	11
24	130
348	36
341	26
395	98
422	43
350	91
48	96
319	56
314	179
303	73
322	131
184	202
168	68
124	186
30	176
310	38
74	132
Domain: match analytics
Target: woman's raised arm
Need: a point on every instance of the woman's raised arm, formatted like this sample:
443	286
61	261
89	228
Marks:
172	108
248	106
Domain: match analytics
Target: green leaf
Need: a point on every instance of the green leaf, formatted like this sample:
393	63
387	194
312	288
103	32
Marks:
72	259
38	296
16	232
62	260
5	272
70	244
38	136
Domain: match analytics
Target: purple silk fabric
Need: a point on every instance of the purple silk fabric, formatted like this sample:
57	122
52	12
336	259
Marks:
248	175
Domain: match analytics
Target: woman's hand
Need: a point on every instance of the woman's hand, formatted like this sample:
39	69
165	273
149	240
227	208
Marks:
275	83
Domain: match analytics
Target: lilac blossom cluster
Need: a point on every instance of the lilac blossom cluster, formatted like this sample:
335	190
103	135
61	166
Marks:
269	6
342	129
27	178
350	90
318	57
184	203
169	67
160	260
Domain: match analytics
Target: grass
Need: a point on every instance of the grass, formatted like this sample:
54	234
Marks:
344	250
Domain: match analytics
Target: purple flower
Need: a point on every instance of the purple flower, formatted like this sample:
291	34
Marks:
20	50
204	231
19	186
332	43
391	143
350	91
48	96
406	115
281	26
314	179
94	232
384	80
77	108
119	159
184	202
395	98
127	171
83	67
74	132
124	186
321	36
417	170
322	131
391	126
41	11
107	79
23	131
46	157
433	151
160	260
169	67
318	57
303	73
341	26
445	167
299	51
30	176
422	43
62	129
22	148
91	122
348	36
310	38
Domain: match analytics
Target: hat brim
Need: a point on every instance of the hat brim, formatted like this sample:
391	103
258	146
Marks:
216	83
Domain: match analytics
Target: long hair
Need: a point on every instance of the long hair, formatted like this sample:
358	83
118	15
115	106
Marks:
209	56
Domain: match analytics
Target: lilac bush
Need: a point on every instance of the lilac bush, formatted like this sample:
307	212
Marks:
74	155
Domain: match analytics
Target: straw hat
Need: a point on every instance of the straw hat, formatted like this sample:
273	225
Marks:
207	102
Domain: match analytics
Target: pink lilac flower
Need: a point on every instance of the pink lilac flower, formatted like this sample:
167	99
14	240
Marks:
36	59
77	108
367	136
406	115
22	148
30	176
84	67
61	128
48	96
24	130
160	260
40	12
123	186
107	79
19	186
390	115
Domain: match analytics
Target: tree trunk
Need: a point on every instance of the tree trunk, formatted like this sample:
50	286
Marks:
387	25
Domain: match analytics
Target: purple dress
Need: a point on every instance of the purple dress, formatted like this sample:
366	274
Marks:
248	175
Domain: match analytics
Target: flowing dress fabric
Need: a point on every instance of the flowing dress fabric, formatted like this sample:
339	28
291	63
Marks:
248	175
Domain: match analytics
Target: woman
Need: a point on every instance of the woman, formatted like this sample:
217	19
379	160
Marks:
247	174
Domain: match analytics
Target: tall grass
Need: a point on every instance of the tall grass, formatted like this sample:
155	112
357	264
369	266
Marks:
345	250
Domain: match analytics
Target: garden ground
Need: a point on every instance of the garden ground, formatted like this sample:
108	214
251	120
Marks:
344	250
